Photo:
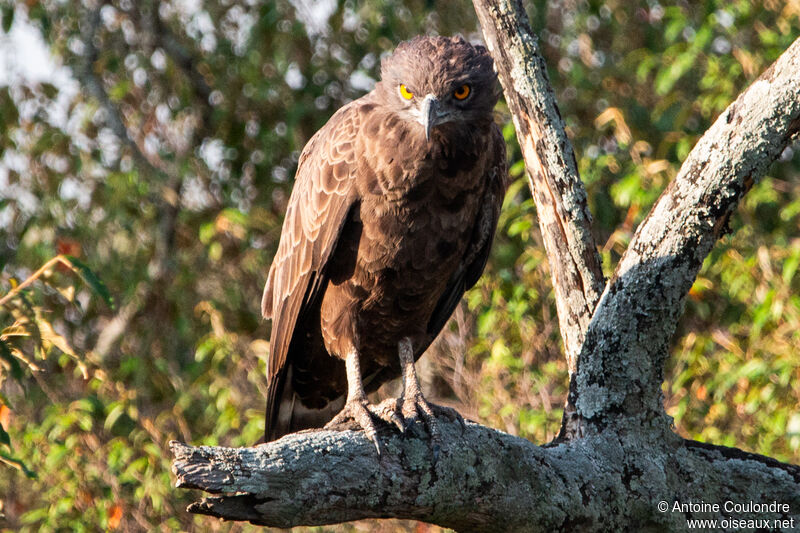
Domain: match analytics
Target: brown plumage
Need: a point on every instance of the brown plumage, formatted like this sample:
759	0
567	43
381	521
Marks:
391	219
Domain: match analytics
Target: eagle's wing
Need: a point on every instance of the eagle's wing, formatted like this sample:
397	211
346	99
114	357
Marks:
321	199
477	253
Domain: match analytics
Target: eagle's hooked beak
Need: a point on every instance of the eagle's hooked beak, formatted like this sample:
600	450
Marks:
430	114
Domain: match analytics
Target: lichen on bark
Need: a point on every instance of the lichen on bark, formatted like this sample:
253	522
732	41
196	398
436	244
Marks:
618	460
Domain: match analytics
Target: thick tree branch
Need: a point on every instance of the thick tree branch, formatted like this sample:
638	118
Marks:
621	363
560	197
483	480
186	61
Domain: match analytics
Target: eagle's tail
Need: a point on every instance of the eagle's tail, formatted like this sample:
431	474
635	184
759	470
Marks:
287	414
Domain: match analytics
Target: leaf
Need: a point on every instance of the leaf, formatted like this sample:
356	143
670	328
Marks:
116	412
16	463
119	90
21	356
790	266
90	279
115	517
669	76
50	336
4	438
7	12
9	114
33	330
17	329
207	232
6	355
49	90
4	400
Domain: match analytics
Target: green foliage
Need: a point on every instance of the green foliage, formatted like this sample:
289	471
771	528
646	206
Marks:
735	370
180	216
32	332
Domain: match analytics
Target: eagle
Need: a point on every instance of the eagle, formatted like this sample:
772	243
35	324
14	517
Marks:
391	218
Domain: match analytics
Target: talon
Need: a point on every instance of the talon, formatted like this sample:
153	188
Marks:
451	414
398	422
377	446
410	411
358	410
387	411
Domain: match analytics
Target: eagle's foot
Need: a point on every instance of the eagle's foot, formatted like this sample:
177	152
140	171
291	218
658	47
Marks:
362	412
416	406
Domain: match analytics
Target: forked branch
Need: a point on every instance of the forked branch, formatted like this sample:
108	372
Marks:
623	459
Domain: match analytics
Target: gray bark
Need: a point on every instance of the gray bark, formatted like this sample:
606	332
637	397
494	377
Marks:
621	459
557	190
483	480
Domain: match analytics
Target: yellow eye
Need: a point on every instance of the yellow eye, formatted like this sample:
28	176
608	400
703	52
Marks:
405	93
462	92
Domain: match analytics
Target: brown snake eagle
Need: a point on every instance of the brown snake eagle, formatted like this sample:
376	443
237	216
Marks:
391	219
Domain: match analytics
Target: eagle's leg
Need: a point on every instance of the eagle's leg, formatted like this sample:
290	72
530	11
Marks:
414	403
357	406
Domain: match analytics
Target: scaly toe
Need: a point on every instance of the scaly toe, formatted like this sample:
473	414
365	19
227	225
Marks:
409	410
425	410
388	412
358	410
416	406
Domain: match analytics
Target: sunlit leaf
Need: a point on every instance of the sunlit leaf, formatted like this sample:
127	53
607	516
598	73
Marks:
119	91
114	414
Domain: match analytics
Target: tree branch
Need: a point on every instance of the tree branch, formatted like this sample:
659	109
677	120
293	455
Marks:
621	364
560	197
168	199
561	207
483	480
90	79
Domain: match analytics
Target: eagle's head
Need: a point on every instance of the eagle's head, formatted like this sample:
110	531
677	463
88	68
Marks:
438	80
